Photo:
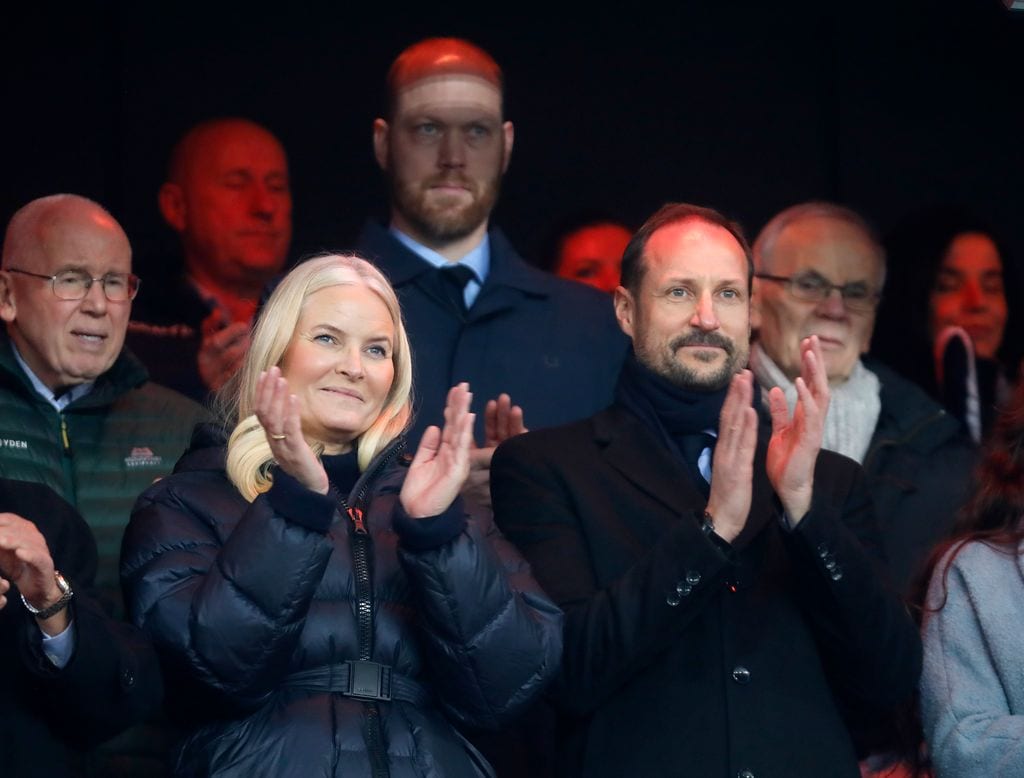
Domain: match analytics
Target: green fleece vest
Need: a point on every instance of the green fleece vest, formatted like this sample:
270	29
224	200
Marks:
101	452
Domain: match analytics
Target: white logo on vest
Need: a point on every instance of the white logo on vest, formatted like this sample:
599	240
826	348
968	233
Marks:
142	456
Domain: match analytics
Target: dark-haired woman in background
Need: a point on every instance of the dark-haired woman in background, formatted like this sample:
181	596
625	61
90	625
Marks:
972	686
948	318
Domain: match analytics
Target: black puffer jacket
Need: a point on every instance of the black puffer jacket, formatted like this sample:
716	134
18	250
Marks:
273	604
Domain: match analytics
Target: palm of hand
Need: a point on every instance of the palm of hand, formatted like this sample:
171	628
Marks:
788	458
432	483
441	464
794	445
278	413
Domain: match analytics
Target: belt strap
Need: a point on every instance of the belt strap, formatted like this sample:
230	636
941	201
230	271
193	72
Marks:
361	680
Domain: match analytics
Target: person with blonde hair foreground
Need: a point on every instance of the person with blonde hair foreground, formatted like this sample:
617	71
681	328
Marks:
328	601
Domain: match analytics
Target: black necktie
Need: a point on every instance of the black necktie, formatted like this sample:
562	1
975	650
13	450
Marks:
692	445
453	284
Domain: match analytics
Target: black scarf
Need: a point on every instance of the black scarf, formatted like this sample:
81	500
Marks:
677	416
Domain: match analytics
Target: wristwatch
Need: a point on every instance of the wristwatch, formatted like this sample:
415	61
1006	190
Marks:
66	594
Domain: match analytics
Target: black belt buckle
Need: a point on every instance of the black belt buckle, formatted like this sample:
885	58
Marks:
369	680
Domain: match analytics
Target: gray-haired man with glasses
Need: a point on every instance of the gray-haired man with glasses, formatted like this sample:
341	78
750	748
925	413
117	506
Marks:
820	270
77	411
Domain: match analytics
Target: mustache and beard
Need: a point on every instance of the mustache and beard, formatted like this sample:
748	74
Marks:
686	376
440	218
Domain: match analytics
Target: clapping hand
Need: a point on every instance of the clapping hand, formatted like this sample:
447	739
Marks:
278	412
795	442
221	350
502	420
25	561
732	468
441	465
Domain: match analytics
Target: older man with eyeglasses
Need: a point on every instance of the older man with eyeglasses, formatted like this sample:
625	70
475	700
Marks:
77	411
820	270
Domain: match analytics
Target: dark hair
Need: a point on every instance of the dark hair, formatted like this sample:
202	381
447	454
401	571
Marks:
670	213
994	514
916	249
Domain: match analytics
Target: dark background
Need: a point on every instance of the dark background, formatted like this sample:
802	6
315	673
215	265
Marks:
744	106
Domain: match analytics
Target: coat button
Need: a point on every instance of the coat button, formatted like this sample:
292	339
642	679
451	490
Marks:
830	565
673	599
693	578
837	574
822	550
741	675
744	774
127	679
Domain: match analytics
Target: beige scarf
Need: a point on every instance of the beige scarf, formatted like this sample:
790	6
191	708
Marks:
852	412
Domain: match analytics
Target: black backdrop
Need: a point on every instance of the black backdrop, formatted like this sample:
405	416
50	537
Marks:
744	106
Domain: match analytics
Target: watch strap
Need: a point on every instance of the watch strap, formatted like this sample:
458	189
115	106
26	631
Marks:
66	593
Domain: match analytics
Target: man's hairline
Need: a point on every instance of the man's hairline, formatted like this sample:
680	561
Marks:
764	246
391	109
182	160
642	264
31	236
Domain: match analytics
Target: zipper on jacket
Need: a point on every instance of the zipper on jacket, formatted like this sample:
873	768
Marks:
64	437
376	751
358	492
364	588
374	742
356	514
364	603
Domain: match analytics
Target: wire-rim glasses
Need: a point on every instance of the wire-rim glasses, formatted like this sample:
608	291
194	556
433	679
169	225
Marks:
75	284
813	288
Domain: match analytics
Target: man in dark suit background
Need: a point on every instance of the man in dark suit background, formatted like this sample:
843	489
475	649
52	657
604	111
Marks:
723	616
474	310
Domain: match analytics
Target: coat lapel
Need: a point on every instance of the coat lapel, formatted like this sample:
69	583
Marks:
638	455
509	281
642	459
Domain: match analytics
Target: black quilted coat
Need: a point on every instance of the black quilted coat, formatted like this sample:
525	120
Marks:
342	644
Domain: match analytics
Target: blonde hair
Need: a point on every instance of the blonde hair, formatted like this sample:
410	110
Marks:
249	457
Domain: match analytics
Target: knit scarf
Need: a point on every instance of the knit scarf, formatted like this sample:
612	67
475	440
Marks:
852	412
671	412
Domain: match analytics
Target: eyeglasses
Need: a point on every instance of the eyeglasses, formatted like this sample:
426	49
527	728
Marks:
813	288
75	284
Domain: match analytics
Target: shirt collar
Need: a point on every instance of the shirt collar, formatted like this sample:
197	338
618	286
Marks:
478	260
59	403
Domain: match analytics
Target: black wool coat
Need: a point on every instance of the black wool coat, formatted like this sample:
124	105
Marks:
683	656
